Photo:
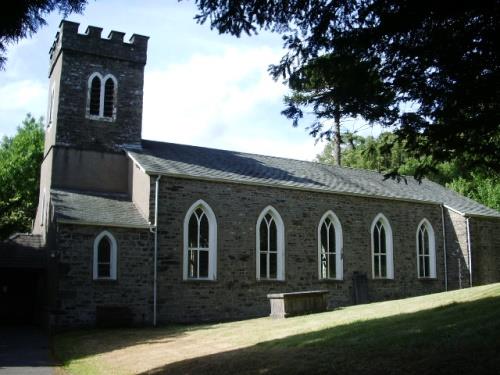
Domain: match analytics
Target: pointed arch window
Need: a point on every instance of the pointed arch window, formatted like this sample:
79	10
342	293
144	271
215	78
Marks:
270	243
426	250
382	254
330	247
101	100
105	255
200	242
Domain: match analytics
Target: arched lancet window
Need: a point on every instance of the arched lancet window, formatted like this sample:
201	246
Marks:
382	255
109	97
200	242
426	250
95	95
330	247
102	97
270	243
105	250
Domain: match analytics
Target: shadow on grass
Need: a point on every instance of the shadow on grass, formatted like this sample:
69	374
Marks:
461	338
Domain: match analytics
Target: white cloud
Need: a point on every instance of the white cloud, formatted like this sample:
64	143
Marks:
19	95
209	95
17	98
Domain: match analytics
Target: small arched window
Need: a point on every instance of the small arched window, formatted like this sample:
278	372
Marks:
330	247
109	97
382	255
270	245
95	96
426	250
102	97
105	250
200	242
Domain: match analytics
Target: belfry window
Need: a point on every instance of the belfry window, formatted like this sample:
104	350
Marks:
109	97
101	100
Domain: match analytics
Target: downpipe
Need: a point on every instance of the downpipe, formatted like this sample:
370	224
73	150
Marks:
154	230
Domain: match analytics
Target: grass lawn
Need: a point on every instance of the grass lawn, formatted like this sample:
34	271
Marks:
447	333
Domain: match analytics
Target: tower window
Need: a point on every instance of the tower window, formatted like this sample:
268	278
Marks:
109	97
101	101
95	96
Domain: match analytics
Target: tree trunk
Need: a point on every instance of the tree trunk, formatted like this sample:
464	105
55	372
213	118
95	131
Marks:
337	140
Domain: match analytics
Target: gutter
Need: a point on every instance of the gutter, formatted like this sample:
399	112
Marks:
469	249
444	251
155	256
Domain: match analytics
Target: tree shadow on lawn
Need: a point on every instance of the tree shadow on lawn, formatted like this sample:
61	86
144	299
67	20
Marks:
461	338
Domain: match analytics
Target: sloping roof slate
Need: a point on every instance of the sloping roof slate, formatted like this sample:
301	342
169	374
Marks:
92	208
212	164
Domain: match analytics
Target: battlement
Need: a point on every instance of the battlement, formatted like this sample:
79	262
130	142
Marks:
91	42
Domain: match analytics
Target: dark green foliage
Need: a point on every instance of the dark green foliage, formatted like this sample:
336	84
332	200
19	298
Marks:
23	18
440	58
338	86
20	160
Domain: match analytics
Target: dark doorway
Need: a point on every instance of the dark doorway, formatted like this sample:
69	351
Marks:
20	296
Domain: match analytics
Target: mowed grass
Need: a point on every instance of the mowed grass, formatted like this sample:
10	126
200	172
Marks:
446	333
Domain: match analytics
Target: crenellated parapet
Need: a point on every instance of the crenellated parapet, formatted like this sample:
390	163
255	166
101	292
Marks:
92	42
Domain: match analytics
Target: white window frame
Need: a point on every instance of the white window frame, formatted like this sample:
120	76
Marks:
388	245
339	246
103	80
432	249
212	241
113	256
280	242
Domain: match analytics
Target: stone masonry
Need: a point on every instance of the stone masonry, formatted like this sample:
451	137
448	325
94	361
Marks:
236	293
79	296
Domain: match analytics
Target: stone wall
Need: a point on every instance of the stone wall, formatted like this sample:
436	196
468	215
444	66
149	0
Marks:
485	244
74	57
236	293
78	295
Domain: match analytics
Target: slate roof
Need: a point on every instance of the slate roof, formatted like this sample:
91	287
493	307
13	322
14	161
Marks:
96	209
212	164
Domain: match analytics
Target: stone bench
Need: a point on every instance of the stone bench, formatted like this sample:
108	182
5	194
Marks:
284	305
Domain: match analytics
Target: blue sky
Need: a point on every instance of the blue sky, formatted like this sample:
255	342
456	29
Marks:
201	88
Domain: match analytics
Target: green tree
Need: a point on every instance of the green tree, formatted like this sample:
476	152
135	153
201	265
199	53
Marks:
334	87
20	160
23	18
440	58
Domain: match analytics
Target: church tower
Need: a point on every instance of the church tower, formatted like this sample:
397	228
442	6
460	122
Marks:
96	89
94	111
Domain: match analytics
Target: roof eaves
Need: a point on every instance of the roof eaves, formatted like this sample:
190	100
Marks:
102	224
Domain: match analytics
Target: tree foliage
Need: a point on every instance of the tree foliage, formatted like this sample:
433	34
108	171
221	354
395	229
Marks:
338	86
440	58
20	160
387	154
20	19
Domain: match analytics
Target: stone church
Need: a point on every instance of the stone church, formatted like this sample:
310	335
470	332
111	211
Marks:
135	231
